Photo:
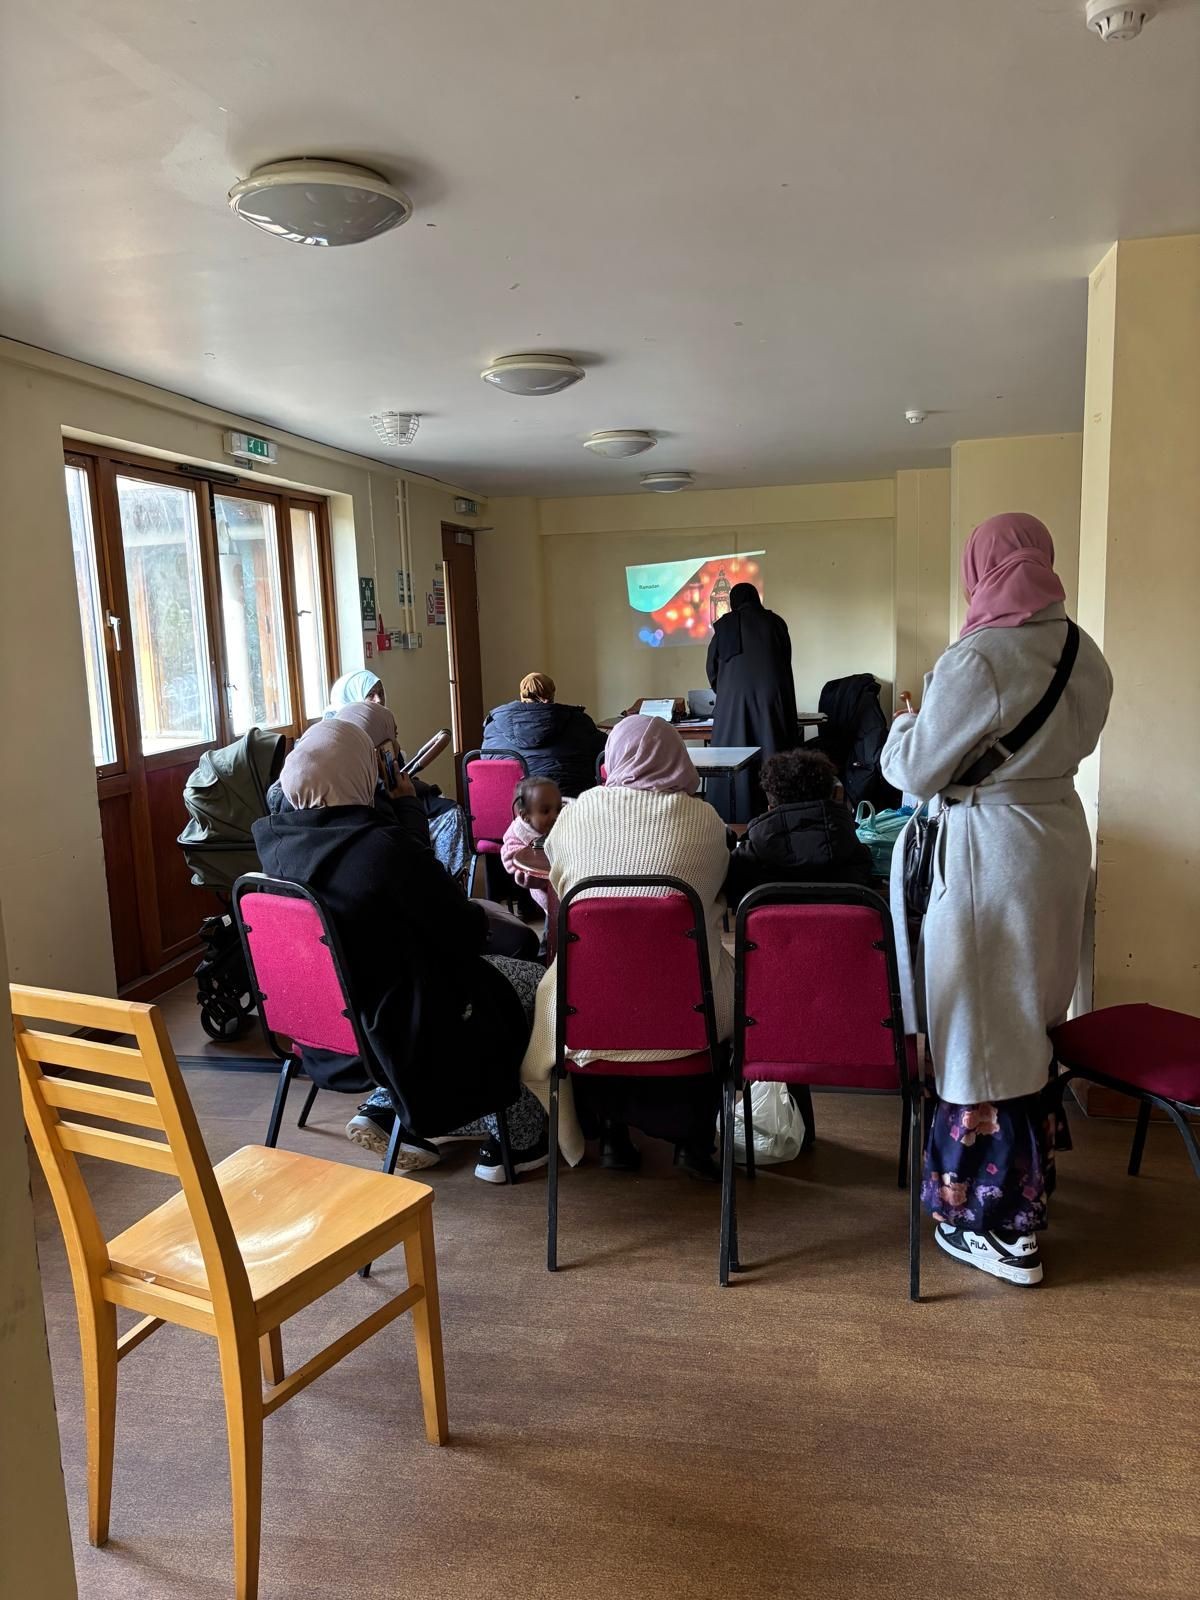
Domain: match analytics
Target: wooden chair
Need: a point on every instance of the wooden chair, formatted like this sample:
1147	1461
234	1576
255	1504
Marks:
239	1249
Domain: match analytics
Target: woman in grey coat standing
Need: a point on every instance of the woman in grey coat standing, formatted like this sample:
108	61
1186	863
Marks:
1004	927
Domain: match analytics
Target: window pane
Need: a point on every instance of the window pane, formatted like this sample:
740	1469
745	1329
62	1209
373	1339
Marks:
252	614
91	617
306	569
166	624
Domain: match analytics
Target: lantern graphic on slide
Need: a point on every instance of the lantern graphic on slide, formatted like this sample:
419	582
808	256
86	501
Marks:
718	600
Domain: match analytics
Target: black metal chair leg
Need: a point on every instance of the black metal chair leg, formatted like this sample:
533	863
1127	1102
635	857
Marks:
506	1157
905	1124
1139	1137
1189	1138
803	1097
748	1131
302	1119
914	1199
552	1180
286	1073
727	1246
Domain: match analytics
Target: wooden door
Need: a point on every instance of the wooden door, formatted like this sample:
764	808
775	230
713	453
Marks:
462	626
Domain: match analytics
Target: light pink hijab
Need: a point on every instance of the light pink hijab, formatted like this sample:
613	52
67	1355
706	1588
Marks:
1008	572
647	753
376	721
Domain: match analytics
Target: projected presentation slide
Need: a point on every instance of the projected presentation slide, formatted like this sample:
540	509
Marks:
678	602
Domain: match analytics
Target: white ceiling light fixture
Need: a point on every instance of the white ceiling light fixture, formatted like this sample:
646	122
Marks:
320	202
1116	23
667	482
532	374
616	443
395	427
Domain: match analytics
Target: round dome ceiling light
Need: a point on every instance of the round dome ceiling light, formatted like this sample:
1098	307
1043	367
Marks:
320	202
618	442
532	374
667	482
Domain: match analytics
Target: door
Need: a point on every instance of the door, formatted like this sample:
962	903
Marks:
462	629
204	613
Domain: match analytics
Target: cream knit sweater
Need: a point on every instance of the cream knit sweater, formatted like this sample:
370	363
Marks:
610	831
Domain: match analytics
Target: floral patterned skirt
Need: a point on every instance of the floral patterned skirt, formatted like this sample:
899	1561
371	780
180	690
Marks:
992	1165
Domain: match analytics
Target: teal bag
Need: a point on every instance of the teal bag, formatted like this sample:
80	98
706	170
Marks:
879	830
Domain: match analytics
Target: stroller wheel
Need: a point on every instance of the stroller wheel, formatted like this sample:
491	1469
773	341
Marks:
222	1021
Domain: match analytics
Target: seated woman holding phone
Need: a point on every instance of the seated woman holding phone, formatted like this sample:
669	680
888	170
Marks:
447	825
446	1019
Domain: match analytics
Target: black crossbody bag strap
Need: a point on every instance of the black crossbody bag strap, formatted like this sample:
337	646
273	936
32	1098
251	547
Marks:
1008	744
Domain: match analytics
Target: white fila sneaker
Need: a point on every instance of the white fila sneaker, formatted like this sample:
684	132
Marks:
1013	1258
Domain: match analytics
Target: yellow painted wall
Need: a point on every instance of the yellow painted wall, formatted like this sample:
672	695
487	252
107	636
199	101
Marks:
922	595
35	1540
1139	581
512	601
827	571
51	862
1040	473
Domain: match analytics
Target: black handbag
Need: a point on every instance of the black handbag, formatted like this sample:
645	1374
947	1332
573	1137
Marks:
922	836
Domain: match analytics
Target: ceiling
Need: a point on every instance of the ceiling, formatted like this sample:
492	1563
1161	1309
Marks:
766	228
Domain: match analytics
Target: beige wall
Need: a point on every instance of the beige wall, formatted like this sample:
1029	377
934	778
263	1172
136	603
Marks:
552	584
1038	473
51	861
512	601
1139	580
35	1541
922	595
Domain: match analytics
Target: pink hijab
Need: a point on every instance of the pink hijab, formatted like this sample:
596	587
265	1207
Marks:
1008	572
647	753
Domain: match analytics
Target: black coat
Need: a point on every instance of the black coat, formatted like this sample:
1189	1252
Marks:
853	738
809	841
445	1030
559	742
750	668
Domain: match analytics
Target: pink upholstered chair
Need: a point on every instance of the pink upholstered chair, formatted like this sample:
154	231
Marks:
304	998
1148	1052
632	973
490	778
818	1006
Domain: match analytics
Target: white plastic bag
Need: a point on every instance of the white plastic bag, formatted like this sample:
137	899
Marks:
778	1125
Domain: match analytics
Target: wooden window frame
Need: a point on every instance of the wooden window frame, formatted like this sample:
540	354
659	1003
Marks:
112	657
103	464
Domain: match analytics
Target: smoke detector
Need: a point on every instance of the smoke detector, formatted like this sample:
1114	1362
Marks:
617	442
914	415
395	427
667	482
1117	22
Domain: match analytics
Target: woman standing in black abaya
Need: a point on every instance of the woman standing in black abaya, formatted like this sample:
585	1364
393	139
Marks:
750	670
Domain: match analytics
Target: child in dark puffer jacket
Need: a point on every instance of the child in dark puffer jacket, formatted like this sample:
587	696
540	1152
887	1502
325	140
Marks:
807	834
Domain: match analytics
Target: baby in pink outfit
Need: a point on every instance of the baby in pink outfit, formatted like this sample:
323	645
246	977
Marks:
536	806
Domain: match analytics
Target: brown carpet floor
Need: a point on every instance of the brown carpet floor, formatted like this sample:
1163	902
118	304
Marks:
625	1428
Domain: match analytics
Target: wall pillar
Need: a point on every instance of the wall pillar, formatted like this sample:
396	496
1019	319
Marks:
1139	581
922	599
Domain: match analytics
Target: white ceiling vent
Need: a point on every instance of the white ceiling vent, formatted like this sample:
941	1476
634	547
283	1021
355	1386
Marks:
1117	22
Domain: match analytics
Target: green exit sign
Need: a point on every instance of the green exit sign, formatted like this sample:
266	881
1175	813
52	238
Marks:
249	447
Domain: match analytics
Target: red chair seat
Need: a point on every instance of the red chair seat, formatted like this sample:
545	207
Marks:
692	1066
831	1074
487	847
1147	1047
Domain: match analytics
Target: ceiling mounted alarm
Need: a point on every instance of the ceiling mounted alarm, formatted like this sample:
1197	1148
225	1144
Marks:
667	482
532	374
320	202
617	442
914	415
1117	22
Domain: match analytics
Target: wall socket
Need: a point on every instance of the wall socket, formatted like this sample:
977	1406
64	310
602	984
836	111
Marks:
407	641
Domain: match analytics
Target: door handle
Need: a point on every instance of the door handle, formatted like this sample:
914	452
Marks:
114	623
